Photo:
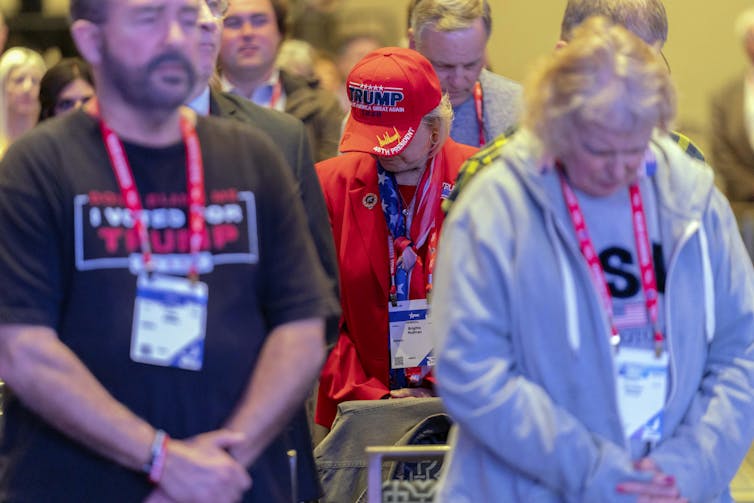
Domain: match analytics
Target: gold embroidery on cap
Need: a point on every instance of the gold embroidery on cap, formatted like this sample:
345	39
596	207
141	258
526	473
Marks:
387	138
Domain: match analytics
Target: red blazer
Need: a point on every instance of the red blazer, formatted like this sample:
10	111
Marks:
358	367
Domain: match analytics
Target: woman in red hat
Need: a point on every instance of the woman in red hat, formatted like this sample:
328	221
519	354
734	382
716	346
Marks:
383	196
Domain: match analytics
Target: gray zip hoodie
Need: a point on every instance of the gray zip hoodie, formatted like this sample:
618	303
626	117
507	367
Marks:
524	363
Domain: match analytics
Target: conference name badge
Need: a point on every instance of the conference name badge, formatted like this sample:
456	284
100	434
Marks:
169	323
410	334
642	380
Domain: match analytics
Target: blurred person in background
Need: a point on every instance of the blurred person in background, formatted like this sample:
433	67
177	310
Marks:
383	196
317	22
3	32
351	49
326	71
594	305
297	58
732	119
21	70
453	35
66	86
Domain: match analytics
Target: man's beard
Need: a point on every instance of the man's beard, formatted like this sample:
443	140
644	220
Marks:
139	86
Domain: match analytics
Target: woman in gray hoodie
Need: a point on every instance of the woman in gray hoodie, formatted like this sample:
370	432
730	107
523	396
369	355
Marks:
594	304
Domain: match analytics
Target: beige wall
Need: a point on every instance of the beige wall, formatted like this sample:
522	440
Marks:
702	50
51	7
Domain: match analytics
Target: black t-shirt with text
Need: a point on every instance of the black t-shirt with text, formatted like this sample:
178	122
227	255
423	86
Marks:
69	258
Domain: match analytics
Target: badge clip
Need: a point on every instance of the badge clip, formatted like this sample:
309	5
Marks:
615	341
658	344
394	299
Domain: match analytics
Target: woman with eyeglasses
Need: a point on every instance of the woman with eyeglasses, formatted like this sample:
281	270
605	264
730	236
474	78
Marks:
66	86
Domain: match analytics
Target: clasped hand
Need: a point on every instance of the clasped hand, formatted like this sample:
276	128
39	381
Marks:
200	469
662	488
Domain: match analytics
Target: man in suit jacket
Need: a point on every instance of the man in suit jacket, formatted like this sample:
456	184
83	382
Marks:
732	135
290	136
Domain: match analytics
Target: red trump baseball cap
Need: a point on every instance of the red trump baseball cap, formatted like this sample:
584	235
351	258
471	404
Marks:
390	90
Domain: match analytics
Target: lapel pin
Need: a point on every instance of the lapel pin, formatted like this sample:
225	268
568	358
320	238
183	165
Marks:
369	201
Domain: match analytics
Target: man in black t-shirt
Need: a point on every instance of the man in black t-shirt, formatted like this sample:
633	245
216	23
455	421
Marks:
162	304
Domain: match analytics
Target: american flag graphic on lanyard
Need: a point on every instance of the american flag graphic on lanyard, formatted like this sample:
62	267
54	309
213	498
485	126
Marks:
629	314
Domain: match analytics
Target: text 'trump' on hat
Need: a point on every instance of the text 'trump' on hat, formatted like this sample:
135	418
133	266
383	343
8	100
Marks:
390	90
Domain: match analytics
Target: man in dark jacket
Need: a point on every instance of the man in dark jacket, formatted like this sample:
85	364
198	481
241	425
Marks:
290	135
253	31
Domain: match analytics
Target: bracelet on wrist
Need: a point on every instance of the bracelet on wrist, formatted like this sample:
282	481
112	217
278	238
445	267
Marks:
157	453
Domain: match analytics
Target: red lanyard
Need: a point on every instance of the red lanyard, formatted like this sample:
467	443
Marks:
431	255
479	106
643	248
132	200
277	92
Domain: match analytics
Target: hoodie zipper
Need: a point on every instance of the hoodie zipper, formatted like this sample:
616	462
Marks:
606	350
691	229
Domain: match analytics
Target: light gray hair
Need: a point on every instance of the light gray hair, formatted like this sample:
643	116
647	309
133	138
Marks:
448	15
647	19
442	117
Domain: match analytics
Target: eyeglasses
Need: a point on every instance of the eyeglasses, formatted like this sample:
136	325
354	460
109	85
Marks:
218	8
667	63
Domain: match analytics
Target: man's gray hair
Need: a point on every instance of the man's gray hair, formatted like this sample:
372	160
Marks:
645	18
448	15
90	10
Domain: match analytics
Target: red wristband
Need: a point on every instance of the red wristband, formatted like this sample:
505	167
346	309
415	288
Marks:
158	452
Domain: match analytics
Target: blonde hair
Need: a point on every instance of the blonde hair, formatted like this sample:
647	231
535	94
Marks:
296	57
12	59
743	25
606	76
